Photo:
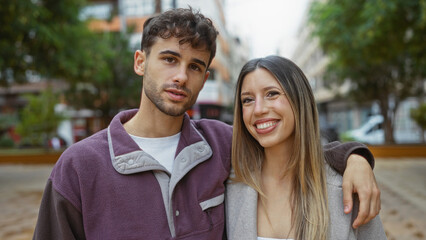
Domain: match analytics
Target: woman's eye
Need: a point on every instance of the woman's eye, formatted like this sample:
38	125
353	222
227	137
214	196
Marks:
246	100
272	94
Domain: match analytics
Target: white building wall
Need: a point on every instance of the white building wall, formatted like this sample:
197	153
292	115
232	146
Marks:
344	114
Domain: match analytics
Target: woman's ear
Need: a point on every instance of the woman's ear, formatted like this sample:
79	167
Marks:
139	62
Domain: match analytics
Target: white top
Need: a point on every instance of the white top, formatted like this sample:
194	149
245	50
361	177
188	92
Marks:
161	149
264	238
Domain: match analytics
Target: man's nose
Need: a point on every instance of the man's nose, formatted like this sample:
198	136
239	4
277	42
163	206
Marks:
181	76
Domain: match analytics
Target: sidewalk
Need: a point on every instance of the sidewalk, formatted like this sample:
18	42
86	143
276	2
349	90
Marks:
403	186
21	188
402	183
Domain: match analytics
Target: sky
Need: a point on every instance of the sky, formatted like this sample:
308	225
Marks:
266	24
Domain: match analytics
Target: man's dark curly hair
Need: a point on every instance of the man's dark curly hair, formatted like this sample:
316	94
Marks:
186	25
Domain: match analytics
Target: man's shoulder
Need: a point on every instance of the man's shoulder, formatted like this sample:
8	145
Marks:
214	131
87	148
213	124
91	142
80	161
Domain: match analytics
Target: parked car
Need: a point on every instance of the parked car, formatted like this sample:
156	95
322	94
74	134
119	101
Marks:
328	133
372	132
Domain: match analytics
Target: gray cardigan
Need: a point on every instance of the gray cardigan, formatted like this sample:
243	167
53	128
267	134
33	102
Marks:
241	213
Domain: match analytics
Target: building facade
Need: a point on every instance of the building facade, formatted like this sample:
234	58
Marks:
216	98
334	109
214	101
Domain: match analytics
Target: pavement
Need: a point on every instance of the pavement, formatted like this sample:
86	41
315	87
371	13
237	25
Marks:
21	189
402	182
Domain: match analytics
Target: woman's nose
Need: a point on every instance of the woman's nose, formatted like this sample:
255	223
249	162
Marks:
260	106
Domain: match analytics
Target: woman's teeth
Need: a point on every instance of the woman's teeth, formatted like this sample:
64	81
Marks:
265	125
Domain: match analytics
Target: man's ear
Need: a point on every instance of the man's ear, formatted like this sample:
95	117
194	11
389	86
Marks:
205	78
139	62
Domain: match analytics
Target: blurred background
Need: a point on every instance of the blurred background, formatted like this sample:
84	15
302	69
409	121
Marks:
66	68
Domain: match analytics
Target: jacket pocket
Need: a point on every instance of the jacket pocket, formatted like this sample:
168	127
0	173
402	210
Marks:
214	211
212	202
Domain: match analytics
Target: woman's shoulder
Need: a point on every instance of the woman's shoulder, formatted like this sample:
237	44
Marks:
236	188
241	210
237	192
340	222
334	179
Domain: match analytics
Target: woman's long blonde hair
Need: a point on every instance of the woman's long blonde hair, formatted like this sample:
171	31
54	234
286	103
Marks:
310	215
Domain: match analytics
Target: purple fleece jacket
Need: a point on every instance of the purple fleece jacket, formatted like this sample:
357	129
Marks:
106	187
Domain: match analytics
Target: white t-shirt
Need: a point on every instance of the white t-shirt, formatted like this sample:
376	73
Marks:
161	149
263	238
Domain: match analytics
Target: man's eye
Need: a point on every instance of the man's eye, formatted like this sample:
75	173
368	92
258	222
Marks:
195	67
169	59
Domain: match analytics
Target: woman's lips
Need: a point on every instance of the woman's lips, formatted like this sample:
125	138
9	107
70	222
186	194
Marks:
265	126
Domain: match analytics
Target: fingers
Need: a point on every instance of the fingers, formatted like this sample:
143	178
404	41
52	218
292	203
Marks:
348	190
379	200
365	201
370	205
359	178
375	204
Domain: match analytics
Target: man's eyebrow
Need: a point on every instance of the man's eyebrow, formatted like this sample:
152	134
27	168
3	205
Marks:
165	52
170	52
199	62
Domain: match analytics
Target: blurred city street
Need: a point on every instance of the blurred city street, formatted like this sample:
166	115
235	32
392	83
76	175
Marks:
68	67
402	182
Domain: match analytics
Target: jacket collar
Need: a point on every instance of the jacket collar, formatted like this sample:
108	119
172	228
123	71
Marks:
128	158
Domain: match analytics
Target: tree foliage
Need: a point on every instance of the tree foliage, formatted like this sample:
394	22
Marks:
6	124
419	116
47	38
378	45
115	87
44	37
39	120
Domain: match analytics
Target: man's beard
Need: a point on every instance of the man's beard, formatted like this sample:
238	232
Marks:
153	92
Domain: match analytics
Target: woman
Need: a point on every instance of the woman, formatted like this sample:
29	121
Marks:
282	188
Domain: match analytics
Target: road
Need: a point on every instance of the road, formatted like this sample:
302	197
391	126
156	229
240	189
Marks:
402	182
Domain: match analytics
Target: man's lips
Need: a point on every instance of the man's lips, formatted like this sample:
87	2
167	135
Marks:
176	94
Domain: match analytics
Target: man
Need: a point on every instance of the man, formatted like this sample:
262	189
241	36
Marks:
154	173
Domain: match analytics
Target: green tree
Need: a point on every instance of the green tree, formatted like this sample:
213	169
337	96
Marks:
39	121
419	116
378	45
46	38
115	86
6	124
